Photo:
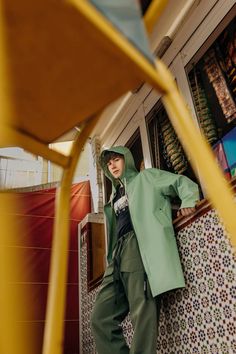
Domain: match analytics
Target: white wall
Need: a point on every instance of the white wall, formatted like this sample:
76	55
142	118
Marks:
19	168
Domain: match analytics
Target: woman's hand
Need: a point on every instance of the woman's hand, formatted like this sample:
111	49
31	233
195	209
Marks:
186	211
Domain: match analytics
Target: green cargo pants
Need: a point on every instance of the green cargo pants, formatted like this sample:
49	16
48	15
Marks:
125	289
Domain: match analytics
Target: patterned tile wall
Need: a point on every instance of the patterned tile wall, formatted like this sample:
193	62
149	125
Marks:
201	318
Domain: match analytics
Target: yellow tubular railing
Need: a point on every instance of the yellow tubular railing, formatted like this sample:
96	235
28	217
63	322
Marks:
14	337
12	137
193	142
16	305
54	325
154	11
140	65
200	153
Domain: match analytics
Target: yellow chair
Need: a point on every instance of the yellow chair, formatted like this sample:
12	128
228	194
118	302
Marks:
61	63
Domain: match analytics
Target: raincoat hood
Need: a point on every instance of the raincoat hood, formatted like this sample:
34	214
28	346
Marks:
130	170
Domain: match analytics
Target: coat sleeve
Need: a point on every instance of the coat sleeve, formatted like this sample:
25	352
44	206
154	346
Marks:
181	186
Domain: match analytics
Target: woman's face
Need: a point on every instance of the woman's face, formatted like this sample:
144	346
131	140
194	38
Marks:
116	166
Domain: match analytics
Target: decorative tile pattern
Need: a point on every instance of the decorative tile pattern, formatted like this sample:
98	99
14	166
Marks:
201	318
87	301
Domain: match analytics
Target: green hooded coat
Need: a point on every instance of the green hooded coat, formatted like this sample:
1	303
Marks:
149	193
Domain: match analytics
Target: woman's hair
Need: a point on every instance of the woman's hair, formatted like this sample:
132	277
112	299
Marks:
108	155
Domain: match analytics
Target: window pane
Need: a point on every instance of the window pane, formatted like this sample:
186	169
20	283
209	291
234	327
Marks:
213	85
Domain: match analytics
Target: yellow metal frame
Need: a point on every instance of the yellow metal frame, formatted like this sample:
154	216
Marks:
12	137
160	78
193	142
153	13
58	271
14	305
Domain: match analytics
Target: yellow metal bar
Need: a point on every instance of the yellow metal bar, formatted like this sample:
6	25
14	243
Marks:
13	336
162	80
12	137
15	303
154	11
53	333
141	66
201	156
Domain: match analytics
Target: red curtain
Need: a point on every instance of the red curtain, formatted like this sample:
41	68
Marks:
37	215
